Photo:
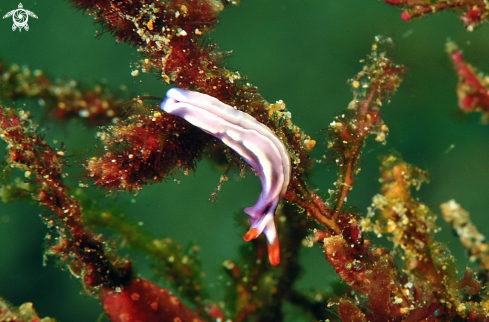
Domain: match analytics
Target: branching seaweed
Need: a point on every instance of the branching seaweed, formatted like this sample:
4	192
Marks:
414	280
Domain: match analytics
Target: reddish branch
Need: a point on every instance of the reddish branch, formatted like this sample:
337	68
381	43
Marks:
378	80
142	300
472	87
81	249
145	148
63	99
169	36
150	146
472	13
83	252
361	266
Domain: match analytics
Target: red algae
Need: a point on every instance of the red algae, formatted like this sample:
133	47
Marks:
143	301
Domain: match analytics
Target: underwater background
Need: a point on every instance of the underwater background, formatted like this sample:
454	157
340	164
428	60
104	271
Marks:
302	52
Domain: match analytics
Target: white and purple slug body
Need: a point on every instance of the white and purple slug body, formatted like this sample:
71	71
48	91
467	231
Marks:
254	142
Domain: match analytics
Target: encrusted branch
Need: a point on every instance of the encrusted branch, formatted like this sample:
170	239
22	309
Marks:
24	313
148	145
63	99
467	232
472	87
81	249
471	12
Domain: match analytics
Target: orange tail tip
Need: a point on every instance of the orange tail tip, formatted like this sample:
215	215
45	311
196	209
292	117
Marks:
273	248
274	253
250	234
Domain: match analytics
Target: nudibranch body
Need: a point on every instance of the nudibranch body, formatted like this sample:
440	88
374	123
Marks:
254	142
